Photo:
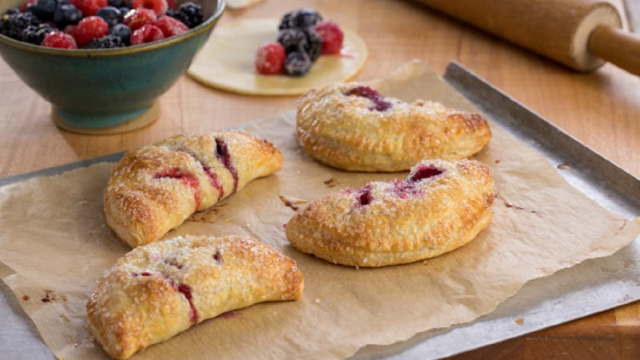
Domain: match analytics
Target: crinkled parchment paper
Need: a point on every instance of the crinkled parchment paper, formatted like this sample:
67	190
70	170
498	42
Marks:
54	245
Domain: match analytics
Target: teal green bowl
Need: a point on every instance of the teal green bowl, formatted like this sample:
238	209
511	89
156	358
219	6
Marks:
107	90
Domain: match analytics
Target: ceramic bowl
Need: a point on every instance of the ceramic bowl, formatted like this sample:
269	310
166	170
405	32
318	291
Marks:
107	90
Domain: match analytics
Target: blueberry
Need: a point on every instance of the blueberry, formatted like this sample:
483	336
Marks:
123	12
110	14
122	31
44	9
292	40
301	19
297	63
67	14
33	34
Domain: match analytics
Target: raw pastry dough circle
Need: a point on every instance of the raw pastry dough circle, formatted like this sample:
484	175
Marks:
226	61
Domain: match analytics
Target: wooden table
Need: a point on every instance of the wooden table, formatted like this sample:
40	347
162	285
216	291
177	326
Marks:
602	109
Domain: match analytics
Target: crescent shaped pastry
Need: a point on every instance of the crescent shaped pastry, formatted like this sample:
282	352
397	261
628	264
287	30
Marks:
353	127
159	290
156	188
440	207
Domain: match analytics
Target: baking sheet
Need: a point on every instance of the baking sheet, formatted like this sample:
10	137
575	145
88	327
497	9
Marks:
22	348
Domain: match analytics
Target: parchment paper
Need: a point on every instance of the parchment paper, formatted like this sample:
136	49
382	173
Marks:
54	245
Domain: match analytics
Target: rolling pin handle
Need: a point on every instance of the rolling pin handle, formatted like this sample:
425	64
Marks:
617	47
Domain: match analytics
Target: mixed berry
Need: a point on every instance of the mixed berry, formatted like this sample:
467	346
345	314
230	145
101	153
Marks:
98	24
302	37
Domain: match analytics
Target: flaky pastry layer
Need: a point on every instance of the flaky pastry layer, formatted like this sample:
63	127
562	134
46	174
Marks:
155	188
352	127
159	290
440	207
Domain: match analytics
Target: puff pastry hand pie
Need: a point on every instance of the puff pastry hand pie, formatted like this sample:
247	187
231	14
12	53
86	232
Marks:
156	188
159	290
352	127
441	206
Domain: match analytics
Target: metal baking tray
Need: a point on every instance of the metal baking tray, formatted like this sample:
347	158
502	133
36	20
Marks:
590	287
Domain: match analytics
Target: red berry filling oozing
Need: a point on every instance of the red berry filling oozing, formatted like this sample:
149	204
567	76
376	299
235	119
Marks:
403	189
186	291
379	102
222	152
186	177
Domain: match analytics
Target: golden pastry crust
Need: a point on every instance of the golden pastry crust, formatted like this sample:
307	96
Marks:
441	206
159	290
352	127
155	188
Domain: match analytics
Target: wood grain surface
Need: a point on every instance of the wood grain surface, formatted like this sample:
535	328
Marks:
602	109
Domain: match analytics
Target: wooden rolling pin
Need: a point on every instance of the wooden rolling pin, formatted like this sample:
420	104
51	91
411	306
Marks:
581	34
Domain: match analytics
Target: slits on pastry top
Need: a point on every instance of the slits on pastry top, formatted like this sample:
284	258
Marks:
354	127
156	187
161	289
440	206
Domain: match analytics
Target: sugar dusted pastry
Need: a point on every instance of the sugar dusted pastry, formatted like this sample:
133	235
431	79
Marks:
156	188
353	127
159	290
440	207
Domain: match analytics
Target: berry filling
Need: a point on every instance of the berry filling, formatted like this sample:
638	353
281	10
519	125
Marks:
379	102
218	257
425	172
213	177
186	291
173	262
186	177
364	196
222	152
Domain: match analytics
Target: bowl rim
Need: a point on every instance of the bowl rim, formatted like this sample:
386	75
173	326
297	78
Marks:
198	30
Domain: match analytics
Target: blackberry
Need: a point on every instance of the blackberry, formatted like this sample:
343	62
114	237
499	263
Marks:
44	9
110	14
190	14
33	34
13	25
66	14
314	44
105	42
297	63
122	31
301	19
292	40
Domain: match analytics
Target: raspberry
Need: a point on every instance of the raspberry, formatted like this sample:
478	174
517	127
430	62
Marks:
171	4
89	28
137	18
270	59
170	26
332	37
146	34
89	7
70	29
158	6
59	40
